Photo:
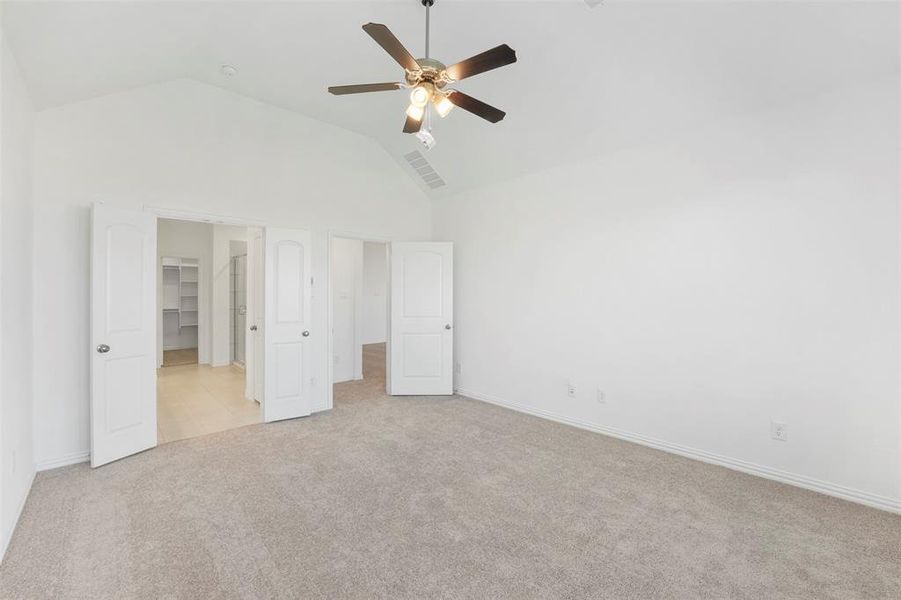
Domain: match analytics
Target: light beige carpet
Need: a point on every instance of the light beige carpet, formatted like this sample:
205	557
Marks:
436	498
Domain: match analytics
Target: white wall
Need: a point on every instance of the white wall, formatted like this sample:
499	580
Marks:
347	290
736	274
190	146
191	239
221	320
16	310
375	293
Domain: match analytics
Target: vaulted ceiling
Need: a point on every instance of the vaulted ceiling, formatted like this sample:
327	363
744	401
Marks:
588	80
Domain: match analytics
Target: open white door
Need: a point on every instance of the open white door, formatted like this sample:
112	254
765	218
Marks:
123	333
422	310
287	341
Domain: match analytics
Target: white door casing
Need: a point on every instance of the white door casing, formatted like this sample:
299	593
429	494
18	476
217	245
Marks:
421	340
253	371
123	333
287	332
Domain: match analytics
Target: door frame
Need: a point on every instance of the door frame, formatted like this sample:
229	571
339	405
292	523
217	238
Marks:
215	219
362	237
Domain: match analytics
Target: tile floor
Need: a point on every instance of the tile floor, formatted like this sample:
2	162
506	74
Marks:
195	400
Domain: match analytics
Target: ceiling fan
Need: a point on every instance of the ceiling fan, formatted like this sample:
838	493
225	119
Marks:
428	78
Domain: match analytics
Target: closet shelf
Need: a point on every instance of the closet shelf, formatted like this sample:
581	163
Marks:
180	297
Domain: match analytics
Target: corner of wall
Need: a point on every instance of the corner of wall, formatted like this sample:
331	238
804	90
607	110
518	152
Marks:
17	466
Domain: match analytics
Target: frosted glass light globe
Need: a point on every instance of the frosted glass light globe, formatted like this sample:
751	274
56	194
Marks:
419	96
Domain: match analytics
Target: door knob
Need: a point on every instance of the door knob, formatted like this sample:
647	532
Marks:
447	326
102	348
253	327
306	334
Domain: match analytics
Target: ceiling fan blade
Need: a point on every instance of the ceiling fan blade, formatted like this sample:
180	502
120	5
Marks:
412	125
383	36
362	88
490	59
476	107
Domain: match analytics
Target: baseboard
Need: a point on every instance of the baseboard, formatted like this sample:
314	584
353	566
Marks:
19	509
64	461
830	489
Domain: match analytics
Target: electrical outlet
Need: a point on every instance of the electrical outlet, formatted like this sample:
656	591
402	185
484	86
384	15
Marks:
602	397
779	431
570	390
458	368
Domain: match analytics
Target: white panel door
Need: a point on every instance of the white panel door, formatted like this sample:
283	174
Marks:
422	310
287	332
123	333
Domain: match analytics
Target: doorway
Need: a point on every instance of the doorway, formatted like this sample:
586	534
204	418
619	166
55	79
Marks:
204	283
359	292
126	373
178	290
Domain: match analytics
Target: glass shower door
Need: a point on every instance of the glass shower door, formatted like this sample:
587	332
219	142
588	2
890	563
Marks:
238	306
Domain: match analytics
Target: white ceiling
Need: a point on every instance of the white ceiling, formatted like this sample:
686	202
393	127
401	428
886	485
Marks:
588	80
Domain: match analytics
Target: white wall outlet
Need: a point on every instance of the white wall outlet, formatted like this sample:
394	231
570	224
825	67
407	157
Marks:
570	390
458	368
602	397
779	431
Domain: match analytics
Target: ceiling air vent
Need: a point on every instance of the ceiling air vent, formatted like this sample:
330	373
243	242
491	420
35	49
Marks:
424	170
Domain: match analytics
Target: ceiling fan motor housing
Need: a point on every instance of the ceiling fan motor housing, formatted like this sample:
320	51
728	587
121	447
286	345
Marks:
430	71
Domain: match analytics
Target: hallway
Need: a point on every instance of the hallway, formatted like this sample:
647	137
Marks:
373	383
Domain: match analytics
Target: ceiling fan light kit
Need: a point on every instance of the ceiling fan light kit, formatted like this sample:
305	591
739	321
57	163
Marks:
427	80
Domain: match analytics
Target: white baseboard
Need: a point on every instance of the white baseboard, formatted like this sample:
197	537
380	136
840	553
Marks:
9	535
830	489
64	461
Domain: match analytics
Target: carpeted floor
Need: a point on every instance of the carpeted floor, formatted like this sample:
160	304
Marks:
436	498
